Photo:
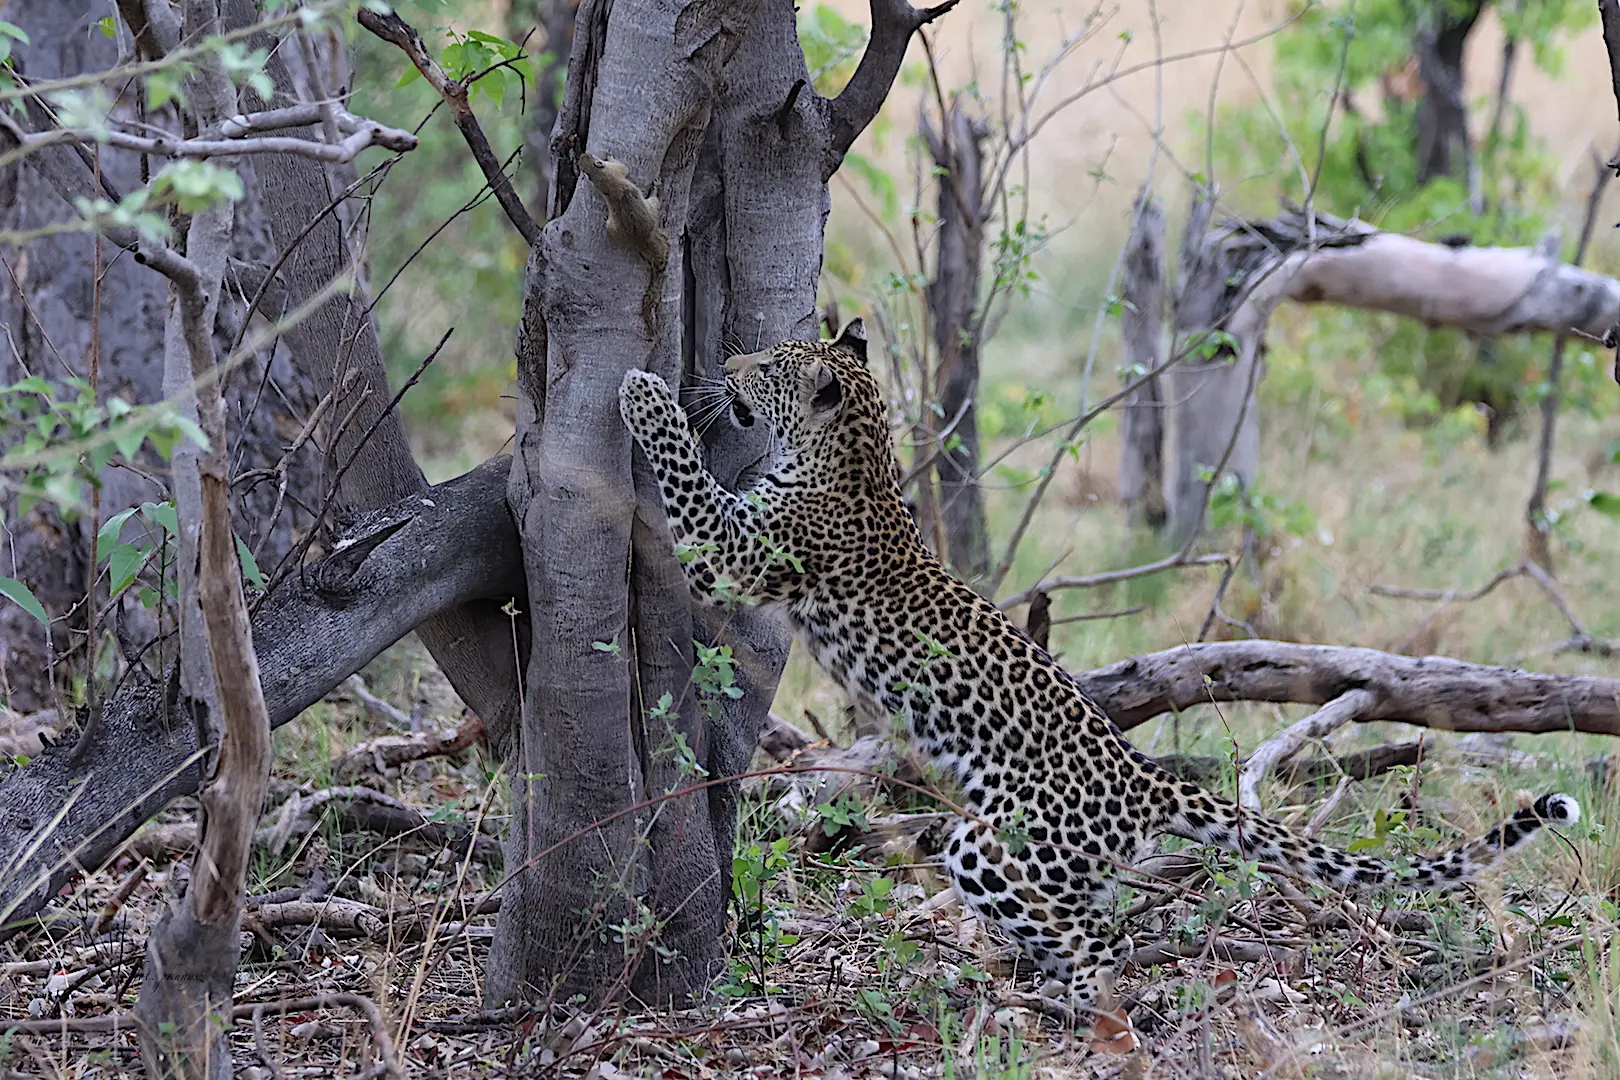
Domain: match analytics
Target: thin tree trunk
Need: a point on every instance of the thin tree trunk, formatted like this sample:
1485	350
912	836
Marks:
191	954
953	298
1141	421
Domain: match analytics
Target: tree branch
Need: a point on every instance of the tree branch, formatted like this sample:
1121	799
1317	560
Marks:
362	135
1291	740
1431	691
893	23
396	31
1609	13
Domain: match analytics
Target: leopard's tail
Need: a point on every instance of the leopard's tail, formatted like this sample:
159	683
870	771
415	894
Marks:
1210	819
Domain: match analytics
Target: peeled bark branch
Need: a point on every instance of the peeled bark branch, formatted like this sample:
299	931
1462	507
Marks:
1291	740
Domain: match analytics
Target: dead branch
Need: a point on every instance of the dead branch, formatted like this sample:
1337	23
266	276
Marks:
1110	577
1285	744
368	810
387	753
1361	765
396	31
376	706
191	954
351	918
361	134
380	1037
1431	691
1219	948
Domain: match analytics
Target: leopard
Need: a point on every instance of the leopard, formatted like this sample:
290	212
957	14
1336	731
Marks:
1054	801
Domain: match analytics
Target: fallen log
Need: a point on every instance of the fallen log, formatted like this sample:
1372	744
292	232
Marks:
1426	691
429	553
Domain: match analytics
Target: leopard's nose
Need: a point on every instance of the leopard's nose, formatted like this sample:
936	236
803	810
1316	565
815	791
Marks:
743	363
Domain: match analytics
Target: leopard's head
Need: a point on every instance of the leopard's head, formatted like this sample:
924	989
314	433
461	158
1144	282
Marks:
824	409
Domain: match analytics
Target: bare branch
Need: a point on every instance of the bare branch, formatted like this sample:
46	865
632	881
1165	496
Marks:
362	135
396	31
1111	577
1291	740
893	23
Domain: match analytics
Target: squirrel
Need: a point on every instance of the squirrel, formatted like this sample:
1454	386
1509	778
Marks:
632	220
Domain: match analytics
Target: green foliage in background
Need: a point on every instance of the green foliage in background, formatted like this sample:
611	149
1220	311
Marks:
455	263
1340	124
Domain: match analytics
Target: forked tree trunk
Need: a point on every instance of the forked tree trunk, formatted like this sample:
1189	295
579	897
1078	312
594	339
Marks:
953	306
712	106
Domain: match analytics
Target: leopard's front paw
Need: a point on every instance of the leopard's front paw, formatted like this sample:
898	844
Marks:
645	402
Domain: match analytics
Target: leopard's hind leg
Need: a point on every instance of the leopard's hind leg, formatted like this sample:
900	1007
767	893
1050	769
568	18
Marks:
1058	907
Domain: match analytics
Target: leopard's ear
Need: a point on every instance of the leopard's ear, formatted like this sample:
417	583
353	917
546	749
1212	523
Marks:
826	392
853	338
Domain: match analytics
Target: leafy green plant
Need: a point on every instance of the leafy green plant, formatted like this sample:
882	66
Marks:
760	941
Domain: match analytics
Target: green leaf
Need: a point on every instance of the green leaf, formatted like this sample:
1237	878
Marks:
122	565
107	26
16	590
108	536
162	513
1605	503
410	76
12	30
250	565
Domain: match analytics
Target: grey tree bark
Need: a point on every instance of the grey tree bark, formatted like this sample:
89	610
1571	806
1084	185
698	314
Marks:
712	106
45	315
1212	426
394	569
1443	148
953	306
1141	418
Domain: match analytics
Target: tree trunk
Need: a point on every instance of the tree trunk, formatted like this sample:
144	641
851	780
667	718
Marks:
1443	148
368	456
953	304
712	106
552	23
1213	427
46	298
1141	419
